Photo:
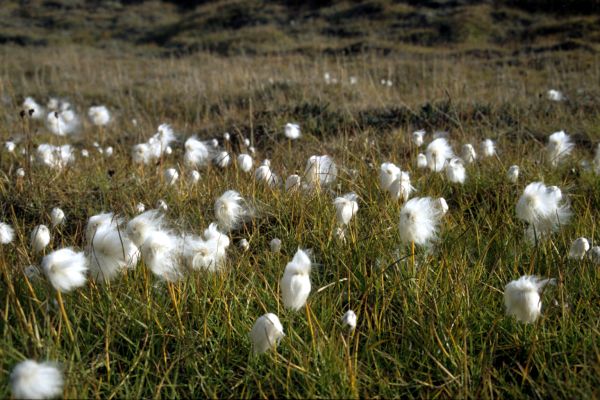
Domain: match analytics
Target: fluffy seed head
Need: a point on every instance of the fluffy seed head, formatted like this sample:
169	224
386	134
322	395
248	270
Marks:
541	207
421	160
388	173
468	153
522	297
293	182
160	253
197	153
455	171
30	104
349	320
40	237
292	131
229	210
110	252
513	173
559	146
275	245
245	162
57	216
99	115
222	159
320	171
346	207
193	176
578	248
401	187
437	153
32	380
488	148
66	269
266	333
295	284
171	176
140	226
7	233
419	220
555	95
418	137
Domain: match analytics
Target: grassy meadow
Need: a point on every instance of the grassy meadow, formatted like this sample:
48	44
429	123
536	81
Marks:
433	328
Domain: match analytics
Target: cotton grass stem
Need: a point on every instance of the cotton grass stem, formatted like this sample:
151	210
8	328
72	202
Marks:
64	315
176	305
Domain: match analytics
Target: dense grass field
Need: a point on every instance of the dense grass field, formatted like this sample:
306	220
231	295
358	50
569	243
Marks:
432	327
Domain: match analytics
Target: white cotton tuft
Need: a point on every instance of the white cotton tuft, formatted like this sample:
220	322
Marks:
245	162
401	187
193	177
140	154
32	380
275	245
222	159
468	153
31	106
295	284
244	244
151	151
421	160
20	173
40	237
266	333
140	208
541	208
441	205
555	95
55	157
346	207
594	254
162	205
488	148
578	248
349	320
293	182
171	176
110	252
419	220
99	115
160	252
208	253
66	269
264	174
437	153
522	298
513	174
98	220
388	173
231	210
559	146
10	146
292	131
142	225
455	171
63	123
418	137
57	216
320	171
7	233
